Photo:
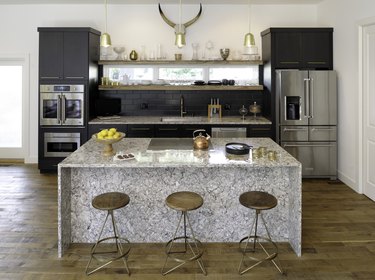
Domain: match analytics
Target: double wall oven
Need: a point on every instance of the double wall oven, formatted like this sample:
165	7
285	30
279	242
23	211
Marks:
62	122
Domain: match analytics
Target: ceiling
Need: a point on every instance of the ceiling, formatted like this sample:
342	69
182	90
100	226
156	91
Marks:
137	2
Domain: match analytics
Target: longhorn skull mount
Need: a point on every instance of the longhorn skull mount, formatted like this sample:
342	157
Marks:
180	29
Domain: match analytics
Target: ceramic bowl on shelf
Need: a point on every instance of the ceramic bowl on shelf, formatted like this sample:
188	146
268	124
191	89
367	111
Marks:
108	149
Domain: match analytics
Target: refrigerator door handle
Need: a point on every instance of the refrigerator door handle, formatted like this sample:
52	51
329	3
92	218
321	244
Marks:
307	145
311	101
306	91
295	129
323	129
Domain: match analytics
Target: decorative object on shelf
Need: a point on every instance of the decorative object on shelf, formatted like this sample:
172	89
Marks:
143	55
180	29
195	47
243	112
255	109
209	47
133	55
105	39
177	56
119	51
224	53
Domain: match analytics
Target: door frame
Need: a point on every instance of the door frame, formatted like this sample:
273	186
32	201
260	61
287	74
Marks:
24	60
361	57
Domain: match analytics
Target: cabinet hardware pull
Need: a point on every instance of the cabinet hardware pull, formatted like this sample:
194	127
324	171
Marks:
167	129
50	77
74	77
323	129
295	129
140	128
289	62
306	145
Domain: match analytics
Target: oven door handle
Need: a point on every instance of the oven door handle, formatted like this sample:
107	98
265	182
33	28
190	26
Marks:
59	109
63	111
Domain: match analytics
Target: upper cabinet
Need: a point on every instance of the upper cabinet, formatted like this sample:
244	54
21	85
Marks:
66	53
301	48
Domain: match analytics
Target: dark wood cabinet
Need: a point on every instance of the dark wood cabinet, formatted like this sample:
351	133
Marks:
301	48
140	130
66	53
259	131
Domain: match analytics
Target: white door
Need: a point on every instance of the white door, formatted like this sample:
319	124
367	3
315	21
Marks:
368	111
12	108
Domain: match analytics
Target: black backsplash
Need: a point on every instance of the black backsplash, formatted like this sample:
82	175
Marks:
167	103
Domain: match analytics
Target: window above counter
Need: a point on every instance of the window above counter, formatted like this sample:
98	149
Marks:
181	75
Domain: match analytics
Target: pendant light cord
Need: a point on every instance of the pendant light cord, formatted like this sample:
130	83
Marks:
179	17
105	16
249	8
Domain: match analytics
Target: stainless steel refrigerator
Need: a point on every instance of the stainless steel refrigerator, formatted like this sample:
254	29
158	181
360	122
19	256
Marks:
307	119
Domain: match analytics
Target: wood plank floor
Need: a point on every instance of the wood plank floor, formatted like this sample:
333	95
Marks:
338	238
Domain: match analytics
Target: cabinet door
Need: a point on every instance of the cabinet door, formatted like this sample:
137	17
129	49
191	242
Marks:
76	45
167	131
316	50
51	55
259	131
140	130
288	50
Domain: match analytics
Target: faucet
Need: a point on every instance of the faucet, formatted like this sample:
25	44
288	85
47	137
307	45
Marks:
182	107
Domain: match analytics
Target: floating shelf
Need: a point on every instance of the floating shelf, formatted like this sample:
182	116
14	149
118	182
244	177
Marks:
182	87
180	62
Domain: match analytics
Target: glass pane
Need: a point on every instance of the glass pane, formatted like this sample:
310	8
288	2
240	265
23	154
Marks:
181	74
73	109
11	106
125	74
242	75
50	109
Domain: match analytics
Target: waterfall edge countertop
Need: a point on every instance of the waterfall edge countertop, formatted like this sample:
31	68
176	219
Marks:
233	120
154	174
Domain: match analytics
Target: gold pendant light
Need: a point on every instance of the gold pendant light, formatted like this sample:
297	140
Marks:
249	40
105	39
180	36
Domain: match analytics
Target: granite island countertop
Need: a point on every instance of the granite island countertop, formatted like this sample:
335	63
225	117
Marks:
153	175
186	120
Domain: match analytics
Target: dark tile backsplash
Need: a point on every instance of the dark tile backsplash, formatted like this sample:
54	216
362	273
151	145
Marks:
156	103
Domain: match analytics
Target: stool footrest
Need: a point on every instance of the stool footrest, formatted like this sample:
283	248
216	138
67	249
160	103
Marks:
197	251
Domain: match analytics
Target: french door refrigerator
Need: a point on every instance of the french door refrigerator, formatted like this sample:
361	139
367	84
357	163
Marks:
307	119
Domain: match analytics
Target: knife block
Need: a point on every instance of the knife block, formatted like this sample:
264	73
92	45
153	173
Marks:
211	109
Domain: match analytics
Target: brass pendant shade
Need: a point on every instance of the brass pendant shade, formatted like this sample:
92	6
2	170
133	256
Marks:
249	40
180	40
105	40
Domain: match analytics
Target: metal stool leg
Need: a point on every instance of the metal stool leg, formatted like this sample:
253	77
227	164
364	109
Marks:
196	253
256	238
119	248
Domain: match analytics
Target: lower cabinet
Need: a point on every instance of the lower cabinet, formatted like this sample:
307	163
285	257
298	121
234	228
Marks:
173	130
259	131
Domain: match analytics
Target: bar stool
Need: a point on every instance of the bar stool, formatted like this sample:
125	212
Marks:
184	202
258	201
109	202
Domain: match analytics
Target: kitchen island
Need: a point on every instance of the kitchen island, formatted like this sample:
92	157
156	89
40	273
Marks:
155	173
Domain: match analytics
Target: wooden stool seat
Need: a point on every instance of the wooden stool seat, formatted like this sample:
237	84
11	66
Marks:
110	201
184	201
258	200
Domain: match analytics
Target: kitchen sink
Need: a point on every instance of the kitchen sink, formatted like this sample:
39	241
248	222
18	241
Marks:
181	119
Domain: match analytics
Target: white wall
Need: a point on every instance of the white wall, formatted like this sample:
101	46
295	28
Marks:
137	25
344	15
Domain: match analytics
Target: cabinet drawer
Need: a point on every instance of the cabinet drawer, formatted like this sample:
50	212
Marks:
294	133
140	130
322	133
167	131
187	130
259	131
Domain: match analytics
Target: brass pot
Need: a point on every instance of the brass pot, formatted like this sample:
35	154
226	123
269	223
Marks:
201	139
133	55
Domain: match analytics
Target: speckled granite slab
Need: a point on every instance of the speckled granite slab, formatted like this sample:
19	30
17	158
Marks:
187	120
153	175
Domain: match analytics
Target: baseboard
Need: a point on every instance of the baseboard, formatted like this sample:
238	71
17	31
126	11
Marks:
30	160
348	181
